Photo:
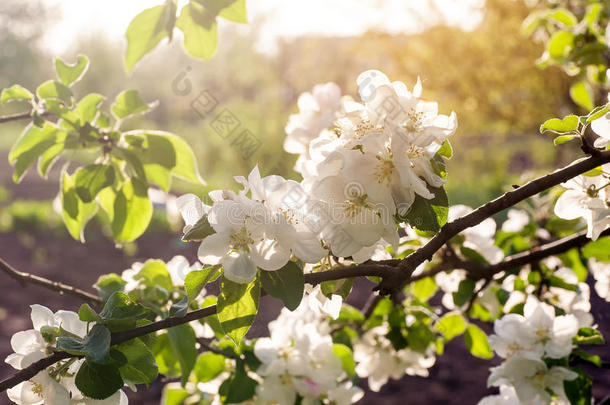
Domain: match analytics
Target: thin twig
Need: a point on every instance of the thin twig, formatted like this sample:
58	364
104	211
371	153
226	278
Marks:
27	278
15	117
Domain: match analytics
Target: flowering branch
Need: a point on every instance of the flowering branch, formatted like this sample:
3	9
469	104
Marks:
485	211
27	278
27	373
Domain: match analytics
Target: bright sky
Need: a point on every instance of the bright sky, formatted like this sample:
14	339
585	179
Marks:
278	18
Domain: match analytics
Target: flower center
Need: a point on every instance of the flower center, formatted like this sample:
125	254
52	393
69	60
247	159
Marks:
355	205
384	170
414	122
241	239
37	388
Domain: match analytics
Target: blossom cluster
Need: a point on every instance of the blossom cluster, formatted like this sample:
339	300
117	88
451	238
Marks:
524	342
54	385
363	166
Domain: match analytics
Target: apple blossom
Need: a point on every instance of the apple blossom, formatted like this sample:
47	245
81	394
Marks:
601	274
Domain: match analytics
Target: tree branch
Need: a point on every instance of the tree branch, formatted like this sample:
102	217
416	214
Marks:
485	211
27	373
15	117
27	278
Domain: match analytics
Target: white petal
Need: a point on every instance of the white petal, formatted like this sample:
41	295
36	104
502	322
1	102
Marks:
269	255
213	248
239	268
41	316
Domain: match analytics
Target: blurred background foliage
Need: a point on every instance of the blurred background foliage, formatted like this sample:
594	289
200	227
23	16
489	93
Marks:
488	76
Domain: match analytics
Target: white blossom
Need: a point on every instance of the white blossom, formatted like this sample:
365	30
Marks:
586	197
601	274
516	221
378	361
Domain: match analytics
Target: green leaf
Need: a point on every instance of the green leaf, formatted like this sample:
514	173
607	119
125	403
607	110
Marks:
564	16
476	341
182	339
197	279
180	308
91	179
155	273
451	325
599	249
563	139
424	289
55	91
209	366
87	314
237	307
445	150
146	30
165	357
87	107
429	215
120	313
132	211
108	284
235	12
98	381
128	103
581	94
588	336
347	358
140	367
173	396
586	356
164	154
70	74
464	293
15	92
200	31
199	231
579	390
95	346
32	144
238	387
598	112
285	284
568	124
75	212
560	44
50	156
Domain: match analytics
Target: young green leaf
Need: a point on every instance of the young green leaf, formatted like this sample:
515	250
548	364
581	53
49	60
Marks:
235	12
128	103
75	212
286	284
182	340
237	307
33	143
560	126
197	279
155	273
87	314
209	366
238	388
347	358
70	74
451	325
140	367
15	92
53	90
87	107
132	211
200	31
91	179
476	341
429	215
146	30
581	94
199	231
464	292
424	289
98	381
95	346
108	284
